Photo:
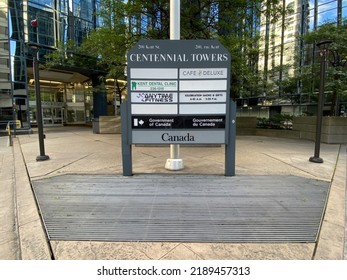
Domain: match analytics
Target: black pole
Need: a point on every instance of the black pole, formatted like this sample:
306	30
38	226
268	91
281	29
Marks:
42	155
323	63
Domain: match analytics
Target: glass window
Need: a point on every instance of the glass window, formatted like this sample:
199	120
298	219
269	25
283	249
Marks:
42	4
311	19
15	23
48	3
327	16
82	28
327	11
45	29
63	29
18	64
75	114
325	2
344	9
19	86
63	6
327	6
311	4
83	9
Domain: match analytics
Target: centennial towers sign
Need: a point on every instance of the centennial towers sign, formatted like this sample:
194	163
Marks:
178	93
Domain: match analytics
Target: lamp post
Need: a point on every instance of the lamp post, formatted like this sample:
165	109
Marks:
323	46
36	48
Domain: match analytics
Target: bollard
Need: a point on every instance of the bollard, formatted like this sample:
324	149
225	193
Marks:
9	140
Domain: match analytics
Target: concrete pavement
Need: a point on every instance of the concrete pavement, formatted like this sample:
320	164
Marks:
9	239
75	150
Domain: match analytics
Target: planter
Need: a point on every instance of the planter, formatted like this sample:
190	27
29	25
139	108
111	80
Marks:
107	125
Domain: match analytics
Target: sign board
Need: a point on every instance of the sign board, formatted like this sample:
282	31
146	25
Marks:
178	92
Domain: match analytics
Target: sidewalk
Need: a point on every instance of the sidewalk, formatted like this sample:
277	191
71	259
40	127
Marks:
78	151
8	231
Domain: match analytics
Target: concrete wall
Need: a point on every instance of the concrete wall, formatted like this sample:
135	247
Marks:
334	129
246	125
281	133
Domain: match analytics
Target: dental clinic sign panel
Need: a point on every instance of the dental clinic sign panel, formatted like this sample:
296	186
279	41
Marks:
178	92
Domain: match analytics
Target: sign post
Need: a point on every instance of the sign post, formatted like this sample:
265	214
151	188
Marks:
179	93
175	162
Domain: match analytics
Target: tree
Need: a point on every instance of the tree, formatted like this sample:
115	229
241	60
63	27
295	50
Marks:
336	81
234	23
102	52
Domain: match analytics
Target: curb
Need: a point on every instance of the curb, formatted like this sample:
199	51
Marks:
32	238
330	245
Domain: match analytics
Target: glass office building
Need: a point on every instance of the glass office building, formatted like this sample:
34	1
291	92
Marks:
280	46
66	95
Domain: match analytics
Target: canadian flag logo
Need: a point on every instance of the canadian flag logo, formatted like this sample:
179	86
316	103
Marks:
34	23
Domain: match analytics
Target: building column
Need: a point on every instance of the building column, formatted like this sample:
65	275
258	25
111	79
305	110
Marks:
99	97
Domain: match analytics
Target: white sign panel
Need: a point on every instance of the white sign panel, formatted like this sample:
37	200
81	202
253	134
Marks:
154	109
203	73
208	109
142	85
154	97
202	97
178	137
203	85
158	73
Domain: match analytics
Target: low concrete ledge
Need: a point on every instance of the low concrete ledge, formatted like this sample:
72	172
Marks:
246	125
334	129
107	125
280	133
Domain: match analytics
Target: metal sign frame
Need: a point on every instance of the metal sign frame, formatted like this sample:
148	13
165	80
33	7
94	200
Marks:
178	93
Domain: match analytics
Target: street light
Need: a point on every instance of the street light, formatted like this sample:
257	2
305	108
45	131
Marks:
36	48
323	47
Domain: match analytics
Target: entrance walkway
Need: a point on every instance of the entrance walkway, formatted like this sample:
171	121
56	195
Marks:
77	154
182	208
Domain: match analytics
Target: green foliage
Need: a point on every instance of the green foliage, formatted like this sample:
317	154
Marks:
234	23
278	121
335	35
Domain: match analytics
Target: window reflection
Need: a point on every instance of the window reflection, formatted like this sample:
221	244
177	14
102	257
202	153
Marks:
326	11
327	16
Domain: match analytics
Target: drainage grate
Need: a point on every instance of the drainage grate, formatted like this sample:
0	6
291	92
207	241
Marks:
182	208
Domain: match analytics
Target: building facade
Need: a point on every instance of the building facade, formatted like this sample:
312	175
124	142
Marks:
282	52
66	94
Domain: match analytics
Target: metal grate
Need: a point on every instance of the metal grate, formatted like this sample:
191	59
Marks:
182	208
